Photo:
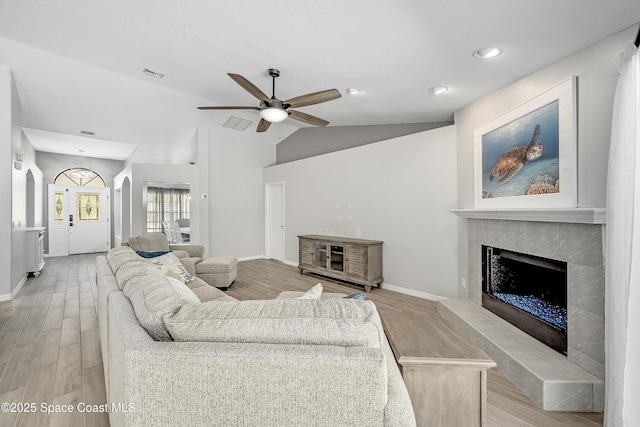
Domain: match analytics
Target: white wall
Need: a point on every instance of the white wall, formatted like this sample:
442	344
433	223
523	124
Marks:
18	196
597	70
236	197
13	212
122	188
6	167
399	191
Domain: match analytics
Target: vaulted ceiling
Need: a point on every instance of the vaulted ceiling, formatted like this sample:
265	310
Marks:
78	65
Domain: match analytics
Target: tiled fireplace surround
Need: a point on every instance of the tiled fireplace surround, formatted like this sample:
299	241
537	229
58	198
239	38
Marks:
556	382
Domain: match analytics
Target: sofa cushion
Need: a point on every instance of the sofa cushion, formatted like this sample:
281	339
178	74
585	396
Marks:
121	255
285	321
154	296
149	242
171	266
206	292
132	269
180	253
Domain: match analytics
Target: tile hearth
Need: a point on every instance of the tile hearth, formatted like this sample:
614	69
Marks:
580	245
547	377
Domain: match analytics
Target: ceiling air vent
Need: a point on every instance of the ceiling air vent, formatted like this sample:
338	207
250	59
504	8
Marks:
236	123
153	73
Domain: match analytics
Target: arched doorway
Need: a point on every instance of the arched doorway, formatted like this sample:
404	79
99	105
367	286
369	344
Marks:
79	213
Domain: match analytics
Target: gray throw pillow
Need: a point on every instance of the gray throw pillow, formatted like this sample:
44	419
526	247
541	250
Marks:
149	242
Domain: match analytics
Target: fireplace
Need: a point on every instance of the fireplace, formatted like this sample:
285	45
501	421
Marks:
529	292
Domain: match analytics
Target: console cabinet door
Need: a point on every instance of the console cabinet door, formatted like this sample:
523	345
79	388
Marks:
357	261
306	252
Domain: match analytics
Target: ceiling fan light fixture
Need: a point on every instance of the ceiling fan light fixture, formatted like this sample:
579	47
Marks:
353	90
487	53
274	114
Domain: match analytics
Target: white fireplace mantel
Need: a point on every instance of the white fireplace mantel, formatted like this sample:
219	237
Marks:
573	215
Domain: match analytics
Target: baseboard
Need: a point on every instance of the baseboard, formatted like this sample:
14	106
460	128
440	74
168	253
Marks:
250	258
394	288
291	263
413	293
12	295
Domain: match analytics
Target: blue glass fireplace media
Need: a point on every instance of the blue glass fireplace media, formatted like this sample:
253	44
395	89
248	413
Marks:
528	291
537	307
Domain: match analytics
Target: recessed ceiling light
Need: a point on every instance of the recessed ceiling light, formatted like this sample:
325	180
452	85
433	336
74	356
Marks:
437	90
353	90
487	52
153	73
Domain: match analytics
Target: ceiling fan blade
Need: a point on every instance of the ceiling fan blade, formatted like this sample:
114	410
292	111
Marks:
229	107
307	118
313	98
249	87
263	125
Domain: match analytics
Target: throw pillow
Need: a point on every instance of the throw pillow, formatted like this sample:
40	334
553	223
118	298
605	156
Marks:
313	293
153	254
170	266
149	242
359	296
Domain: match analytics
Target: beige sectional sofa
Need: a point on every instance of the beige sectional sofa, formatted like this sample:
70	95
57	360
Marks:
188	354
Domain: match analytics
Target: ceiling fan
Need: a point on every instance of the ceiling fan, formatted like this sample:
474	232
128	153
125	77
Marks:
274	110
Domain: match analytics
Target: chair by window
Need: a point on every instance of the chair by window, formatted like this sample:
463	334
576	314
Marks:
184	226
172	232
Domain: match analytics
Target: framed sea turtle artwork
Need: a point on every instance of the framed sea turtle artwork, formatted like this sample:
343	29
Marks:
526	158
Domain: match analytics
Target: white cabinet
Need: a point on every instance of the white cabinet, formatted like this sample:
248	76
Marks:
34	248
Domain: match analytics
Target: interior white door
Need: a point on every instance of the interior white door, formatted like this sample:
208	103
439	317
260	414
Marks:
274	227
58	231
89	220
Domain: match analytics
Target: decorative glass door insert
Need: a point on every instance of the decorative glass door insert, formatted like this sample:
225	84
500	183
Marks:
88	207
58	206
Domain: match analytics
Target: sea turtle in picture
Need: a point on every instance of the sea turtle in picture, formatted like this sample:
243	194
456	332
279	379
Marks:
515	158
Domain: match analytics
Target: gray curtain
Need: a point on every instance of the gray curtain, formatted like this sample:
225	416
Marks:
166	204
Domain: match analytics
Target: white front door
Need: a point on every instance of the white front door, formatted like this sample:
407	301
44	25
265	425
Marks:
79	220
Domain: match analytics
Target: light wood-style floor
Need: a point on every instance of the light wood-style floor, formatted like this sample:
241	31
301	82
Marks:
50	346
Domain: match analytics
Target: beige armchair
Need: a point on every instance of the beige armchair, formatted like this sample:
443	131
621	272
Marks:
189	255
